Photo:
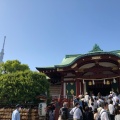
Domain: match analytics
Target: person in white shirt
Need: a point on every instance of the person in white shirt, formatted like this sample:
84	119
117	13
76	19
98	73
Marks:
111	110
99	101
114	99
76	112
92	106
113	93
117	115
93	96
16	114
104	113
95	103
111	107
87	98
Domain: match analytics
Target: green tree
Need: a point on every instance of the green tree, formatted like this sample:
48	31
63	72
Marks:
19	84
11	66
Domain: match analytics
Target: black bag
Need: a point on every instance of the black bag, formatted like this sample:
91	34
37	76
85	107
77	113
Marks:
64	113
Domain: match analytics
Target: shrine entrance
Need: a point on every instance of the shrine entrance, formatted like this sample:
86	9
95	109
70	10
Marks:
99	86
103	88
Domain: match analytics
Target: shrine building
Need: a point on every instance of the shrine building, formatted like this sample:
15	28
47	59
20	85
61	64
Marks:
93	72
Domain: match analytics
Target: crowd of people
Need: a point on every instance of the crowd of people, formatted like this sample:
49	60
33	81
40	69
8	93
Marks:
85	107
90	107
93	107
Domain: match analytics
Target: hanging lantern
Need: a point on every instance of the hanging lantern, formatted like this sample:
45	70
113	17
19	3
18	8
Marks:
90	83
108	82
93	82
104	82
114	80
83	81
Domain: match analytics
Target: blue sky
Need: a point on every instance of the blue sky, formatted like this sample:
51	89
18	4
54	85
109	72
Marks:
41	32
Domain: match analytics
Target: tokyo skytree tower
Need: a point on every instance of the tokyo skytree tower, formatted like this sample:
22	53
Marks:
2	51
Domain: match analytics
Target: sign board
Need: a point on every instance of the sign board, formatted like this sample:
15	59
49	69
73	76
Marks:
42	109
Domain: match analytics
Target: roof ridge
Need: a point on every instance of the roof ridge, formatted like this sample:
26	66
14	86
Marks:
72	55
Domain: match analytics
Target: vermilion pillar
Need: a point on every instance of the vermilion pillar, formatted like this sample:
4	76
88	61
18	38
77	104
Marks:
77	87
119	84
62	88
82	87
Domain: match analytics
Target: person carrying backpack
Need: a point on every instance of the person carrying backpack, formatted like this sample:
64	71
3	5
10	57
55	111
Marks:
104	115
64	112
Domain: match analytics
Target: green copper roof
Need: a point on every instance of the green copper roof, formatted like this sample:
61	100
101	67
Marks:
69	59
67	62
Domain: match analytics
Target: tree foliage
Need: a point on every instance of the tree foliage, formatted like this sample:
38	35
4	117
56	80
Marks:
11	66
19	84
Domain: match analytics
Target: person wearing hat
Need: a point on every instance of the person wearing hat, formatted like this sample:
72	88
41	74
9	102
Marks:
16	113
111	94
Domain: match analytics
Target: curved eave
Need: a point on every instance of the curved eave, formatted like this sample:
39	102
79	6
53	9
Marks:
45	68
88	55
49	71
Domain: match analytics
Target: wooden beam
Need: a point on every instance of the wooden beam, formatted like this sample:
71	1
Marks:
95	76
